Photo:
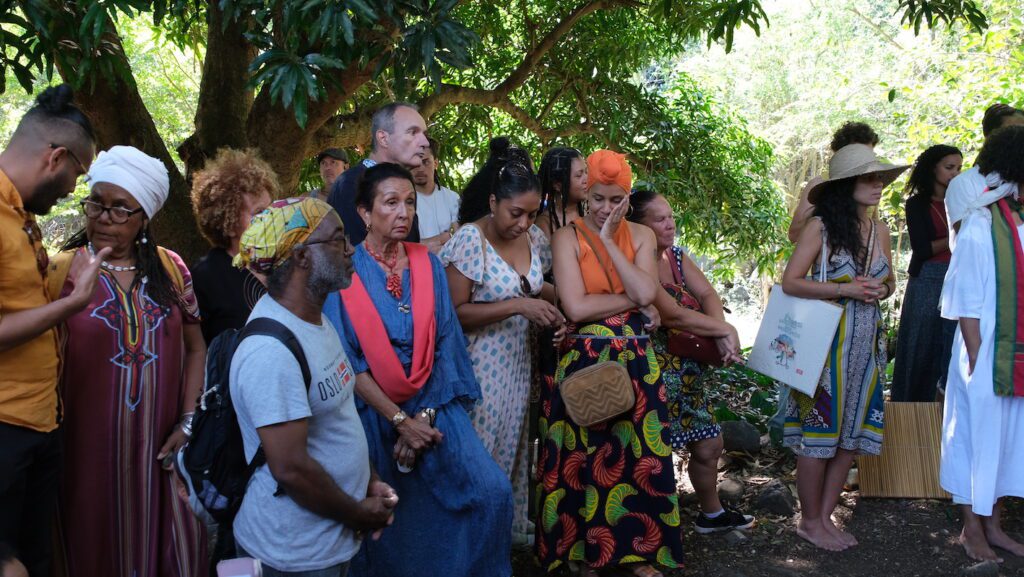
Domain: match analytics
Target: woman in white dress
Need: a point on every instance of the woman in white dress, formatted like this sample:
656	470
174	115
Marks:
982	459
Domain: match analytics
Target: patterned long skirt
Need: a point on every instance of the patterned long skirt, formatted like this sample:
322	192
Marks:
607	493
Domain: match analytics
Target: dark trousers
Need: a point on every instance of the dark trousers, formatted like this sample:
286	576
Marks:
30	464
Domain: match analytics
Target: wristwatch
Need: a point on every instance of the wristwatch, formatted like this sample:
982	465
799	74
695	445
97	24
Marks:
399	417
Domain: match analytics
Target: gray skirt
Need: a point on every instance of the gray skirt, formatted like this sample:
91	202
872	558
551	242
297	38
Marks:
925	338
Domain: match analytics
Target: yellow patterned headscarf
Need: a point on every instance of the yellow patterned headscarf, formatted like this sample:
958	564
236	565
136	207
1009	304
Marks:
273	233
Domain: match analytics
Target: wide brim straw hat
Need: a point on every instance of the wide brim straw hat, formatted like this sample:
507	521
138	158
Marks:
855	160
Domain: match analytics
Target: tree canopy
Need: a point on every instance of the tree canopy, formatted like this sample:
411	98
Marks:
290	77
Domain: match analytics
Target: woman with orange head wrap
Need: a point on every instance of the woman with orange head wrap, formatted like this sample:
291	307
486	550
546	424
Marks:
609	493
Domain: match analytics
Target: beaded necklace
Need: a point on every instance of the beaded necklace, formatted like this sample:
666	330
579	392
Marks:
389	260
111	267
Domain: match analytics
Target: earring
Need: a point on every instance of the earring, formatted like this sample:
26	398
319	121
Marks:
629	211
144	240
369	226
586	207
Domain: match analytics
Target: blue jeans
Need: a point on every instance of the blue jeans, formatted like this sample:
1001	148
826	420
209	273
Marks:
340	570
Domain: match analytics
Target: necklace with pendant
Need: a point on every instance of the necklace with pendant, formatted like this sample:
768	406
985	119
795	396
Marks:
389	260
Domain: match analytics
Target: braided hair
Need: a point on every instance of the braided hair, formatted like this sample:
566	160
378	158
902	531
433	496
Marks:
556	168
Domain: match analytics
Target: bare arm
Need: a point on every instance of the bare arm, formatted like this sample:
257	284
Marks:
306	482
639	278
971	331
472	315
576	303
435	243
885	241
804	211
195	364
17	328
698	284
681	318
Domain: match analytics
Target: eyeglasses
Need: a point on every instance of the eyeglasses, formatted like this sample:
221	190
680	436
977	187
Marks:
72	154
118	214
35	238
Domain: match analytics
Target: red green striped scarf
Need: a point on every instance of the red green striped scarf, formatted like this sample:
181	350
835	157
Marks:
1008	360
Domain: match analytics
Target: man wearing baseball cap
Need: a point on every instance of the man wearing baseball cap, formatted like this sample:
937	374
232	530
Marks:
332	162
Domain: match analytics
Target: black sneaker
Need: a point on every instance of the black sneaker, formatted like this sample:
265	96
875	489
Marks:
729	519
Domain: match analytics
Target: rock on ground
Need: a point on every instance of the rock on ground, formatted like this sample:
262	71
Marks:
741	436
776	498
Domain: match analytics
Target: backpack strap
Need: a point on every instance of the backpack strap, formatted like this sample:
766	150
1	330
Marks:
264	326
267	327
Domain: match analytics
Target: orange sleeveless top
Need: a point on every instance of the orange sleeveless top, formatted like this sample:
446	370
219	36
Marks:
598	278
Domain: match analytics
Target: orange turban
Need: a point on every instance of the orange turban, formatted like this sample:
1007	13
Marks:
609	167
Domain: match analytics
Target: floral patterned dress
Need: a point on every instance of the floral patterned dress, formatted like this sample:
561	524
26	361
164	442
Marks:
691	416
500	352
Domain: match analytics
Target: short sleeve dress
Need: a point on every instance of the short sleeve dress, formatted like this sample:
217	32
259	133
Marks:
500	351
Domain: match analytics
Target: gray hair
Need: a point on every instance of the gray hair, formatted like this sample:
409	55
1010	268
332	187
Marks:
384	119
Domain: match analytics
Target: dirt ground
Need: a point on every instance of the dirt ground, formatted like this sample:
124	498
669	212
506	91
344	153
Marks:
898	538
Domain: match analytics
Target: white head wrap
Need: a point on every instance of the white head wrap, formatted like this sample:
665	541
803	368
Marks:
143	176
980	191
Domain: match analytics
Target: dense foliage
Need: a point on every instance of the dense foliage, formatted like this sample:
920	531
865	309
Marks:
290	77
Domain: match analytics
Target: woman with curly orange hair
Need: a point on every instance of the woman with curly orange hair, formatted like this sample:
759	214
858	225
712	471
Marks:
231	189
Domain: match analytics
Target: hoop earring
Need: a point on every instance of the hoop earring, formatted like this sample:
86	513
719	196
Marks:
586	207
629	211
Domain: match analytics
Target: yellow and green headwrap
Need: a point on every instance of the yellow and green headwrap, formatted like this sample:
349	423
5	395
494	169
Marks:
273	234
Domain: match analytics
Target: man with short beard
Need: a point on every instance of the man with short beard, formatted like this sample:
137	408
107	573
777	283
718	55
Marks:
313	439
51	148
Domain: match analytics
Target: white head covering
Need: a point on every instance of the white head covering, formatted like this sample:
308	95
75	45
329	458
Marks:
143	176
962	200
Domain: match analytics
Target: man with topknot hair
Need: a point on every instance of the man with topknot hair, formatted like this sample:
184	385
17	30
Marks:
51	148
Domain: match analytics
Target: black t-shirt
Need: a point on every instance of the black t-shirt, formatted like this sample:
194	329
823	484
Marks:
343	199
225	294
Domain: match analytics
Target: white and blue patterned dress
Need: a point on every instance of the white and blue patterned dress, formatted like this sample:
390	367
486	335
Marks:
501	353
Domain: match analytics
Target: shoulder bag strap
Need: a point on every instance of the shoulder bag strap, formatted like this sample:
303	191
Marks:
824	254
871	249
600	259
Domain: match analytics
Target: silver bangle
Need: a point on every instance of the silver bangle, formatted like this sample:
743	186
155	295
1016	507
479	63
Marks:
186	423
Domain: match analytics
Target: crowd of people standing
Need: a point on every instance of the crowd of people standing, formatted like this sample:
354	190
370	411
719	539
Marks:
414	342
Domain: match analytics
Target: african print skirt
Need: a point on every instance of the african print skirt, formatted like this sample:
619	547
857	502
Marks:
607	493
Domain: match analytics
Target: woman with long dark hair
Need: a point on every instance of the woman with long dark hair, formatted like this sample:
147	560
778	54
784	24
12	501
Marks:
925	339
496	266
845	415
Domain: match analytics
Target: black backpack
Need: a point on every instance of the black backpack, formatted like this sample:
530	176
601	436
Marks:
213	462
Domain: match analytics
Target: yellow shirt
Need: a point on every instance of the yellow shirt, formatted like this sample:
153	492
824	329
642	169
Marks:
28	372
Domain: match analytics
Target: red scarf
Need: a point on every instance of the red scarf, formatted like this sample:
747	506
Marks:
385	367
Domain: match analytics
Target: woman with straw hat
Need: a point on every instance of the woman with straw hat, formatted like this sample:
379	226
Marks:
845	415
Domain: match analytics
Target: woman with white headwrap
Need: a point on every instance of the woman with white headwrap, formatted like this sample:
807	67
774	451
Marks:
982	460
133	367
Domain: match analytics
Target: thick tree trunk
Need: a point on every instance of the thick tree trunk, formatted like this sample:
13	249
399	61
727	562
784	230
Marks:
119	116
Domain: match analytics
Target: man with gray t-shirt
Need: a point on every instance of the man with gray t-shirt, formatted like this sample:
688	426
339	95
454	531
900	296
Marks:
313	440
